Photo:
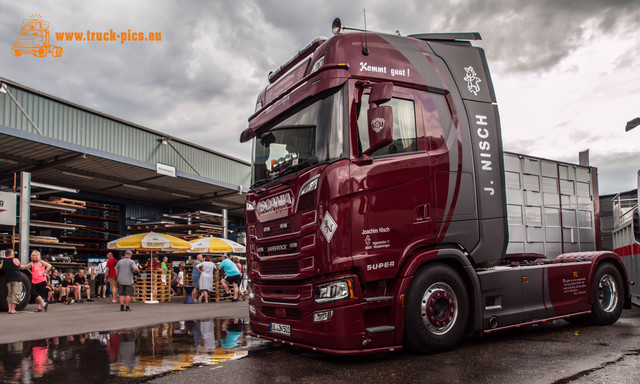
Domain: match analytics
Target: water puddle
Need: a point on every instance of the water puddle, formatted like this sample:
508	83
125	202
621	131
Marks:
128	355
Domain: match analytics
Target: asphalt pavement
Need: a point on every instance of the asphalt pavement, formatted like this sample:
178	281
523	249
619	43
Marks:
555	352
100	315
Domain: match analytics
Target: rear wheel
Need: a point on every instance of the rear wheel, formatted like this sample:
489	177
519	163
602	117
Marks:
24	297
436	310
607	295
26	292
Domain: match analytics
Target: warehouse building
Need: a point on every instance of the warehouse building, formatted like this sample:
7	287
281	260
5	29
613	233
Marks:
94	177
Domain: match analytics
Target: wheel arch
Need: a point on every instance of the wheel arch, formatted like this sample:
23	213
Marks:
455	258
597	258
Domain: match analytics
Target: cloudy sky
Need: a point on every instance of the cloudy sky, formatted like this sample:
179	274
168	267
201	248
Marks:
566	72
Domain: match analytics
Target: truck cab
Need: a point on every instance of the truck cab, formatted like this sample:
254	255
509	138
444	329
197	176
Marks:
378	198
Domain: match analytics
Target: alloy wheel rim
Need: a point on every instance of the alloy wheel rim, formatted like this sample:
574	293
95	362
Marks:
439	308
607	293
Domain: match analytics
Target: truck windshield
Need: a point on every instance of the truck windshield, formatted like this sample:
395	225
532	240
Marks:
310	136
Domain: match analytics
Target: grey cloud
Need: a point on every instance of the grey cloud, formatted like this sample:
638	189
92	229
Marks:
617	171
207	96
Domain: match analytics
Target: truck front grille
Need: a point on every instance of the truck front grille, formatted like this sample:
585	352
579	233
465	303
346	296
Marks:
291	314
278	248
280	267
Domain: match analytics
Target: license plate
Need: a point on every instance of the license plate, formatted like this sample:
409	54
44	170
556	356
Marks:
282	329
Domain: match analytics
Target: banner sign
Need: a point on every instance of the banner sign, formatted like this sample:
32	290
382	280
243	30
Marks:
8	203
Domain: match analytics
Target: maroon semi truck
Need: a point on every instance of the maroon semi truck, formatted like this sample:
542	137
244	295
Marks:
378	215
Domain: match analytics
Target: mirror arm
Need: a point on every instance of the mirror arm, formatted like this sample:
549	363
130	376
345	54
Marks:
363	160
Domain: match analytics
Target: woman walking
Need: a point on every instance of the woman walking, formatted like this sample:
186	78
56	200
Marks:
39	270
206	278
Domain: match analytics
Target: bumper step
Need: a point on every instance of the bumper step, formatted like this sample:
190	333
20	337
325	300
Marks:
381	329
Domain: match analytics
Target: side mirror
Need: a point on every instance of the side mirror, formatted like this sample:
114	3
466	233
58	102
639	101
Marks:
380	123
380	93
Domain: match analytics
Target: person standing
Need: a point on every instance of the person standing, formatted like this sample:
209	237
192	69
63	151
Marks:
206	278
111	276
11	268
124	271
101	284
195	277
181	279
39	270
233	276
241	284
164	264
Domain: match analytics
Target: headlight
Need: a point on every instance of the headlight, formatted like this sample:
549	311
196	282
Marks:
249	207
310	186
334	291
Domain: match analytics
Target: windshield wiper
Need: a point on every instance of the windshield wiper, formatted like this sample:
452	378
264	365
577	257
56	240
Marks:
302	164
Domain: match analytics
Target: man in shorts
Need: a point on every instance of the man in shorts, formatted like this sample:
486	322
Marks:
11	267
125	270
54	286
233	276
80	279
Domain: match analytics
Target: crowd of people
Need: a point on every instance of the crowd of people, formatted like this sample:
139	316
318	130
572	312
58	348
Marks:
202	277
114	280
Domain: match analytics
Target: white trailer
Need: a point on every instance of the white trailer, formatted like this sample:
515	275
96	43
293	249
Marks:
626	237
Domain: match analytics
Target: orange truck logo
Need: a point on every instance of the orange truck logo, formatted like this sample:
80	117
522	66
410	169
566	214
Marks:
34	39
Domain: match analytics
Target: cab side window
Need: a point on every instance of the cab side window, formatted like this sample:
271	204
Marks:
404	128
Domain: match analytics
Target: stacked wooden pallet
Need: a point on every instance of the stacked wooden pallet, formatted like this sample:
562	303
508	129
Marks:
189	226
156	281
68	202
218	289
188	273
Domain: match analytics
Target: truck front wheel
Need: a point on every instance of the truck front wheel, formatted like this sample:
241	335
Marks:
436	313
24	298
607	295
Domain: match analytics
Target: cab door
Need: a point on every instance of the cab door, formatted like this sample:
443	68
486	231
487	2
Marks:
391	193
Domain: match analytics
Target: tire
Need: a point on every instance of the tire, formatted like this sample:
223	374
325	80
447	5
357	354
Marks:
607	290
24	299
26	292
438	327
3	295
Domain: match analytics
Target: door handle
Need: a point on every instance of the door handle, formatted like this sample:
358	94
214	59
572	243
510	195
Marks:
422	213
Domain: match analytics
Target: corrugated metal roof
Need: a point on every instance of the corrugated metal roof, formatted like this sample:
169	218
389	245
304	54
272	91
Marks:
56	162
68	122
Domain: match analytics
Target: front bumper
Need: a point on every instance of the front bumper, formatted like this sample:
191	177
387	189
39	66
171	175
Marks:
348	332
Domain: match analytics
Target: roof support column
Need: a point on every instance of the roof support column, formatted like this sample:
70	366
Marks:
25	214
225	224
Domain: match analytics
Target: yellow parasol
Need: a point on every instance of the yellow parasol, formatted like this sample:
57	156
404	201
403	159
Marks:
212	244
149	241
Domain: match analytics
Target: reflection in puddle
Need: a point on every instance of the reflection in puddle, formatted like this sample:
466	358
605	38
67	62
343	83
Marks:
126	355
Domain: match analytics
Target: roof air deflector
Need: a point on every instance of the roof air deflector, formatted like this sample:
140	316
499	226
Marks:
447	36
